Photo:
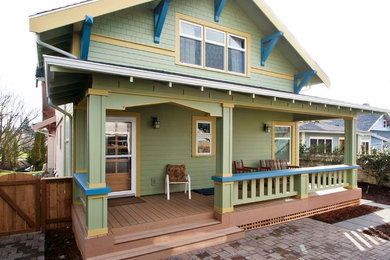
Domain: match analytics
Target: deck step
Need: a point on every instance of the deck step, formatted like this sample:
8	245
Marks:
177	246
164	231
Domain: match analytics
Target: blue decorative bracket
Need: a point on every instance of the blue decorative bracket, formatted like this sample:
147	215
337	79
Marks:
304	77
219	4
270	41
85	37
160	12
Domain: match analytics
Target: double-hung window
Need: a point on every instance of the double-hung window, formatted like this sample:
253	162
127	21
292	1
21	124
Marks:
210	48
283	143
191	40
215	49
321	144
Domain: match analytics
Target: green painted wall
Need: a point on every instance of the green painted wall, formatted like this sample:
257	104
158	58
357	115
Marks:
136	25
250	142
171	144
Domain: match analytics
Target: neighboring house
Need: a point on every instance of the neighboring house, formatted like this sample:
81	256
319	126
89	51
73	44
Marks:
54	126
373	132
196	82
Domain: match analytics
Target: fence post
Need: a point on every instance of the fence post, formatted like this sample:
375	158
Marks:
301	183
43	205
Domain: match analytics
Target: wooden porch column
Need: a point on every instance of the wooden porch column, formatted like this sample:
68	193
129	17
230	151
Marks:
223	195
96	205
350	151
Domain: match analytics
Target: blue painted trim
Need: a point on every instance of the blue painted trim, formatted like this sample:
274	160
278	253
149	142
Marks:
271	41
305	76
281	173
218	7
160	12
85	37
81	180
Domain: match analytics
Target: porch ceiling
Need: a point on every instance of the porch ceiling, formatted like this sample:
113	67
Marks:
65	69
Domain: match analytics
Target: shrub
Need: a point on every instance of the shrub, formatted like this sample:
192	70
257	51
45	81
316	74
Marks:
376	165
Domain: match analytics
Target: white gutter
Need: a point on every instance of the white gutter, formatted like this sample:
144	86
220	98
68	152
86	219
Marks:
187	80
53	48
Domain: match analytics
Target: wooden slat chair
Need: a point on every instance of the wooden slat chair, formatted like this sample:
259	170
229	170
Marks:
176	174
240	168
271	165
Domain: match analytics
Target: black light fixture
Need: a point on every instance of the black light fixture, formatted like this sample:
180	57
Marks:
155	123
267	128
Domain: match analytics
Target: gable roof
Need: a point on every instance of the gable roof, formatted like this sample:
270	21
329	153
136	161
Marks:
55	18
364	124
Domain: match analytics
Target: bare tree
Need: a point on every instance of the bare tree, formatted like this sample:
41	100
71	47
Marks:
16	134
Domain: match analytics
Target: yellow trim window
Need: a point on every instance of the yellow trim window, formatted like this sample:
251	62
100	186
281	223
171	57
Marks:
209	48
283	143
203	136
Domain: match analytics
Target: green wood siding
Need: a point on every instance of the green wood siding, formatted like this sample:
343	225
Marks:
250	142
136	25
171	144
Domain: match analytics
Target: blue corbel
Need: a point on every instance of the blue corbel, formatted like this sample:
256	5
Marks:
304	77
219	4
271	41
85	37
160	12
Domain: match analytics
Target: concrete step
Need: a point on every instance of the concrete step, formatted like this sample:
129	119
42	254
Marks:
177	246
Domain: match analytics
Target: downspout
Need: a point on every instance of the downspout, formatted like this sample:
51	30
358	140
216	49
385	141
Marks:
50	103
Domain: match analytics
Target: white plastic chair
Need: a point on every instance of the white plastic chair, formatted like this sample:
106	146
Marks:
176	174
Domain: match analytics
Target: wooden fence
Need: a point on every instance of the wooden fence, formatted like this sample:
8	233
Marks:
28	203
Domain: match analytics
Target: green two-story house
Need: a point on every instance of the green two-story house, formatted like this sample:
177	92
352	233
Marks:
200	83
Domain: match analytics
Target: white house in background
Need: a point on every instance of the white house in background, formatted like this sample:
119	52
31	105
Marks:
56	128
373	132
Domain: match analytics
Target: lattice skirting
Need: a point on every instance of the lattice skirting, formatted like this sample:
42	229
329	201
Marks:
303	214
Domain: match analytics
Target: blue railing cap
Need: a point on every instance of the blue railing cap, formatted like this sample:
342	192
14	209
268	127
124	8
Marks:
81	180
281	173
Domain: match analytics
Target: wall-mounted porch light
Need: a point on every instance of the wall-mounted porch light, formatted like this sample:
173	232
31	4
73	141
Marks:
155	123
267	128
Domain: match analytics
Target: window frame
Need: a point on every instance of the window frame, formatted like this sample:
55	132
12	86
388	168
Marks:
195	135
210	25
283	138
322	138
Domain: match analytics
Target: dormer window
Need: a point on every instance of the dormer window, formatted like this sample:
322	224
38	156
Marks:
384	124
212	48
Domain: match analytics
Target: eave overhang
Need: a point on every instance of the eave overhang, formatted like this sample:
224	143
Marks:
67	15
82	66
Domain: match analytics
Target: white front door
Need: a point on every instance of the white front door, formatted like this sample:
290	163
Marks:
120	155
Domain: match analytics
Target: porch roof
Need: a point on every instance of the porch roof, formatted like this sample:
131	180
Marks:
69	92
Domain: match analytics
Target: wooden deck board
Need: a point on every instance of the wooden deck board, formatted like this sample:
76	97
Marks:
158	208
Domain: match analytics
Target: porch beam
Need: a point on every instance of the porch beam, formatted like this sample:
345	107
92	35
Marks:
160	13
350	150
268	44
300	80
86	37
218	7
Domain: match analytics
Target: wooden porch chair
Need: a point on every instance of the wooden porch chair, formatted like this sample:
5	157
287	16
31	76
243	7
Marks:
271	165
176	174
240	168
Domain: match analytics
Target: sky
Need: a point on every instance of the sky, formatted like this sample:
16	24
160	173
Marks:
348	39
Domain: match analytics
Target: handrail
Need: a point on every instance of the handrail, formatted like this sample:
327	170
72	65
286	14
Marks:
81	180
281	173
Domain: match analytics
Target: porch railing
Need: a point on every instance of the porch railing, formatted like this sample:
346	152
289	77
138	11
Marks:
261	186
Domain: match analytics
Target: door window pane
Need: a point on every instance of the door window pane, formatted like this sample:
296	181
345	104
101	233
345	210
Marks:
282	149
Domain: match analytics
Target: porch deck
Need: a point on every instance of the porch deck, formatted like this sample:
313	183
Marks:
156	208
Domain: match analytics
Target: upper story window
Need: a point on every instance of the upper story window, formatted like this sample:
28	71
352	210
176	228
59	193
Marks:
384	123
191	40
210	48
